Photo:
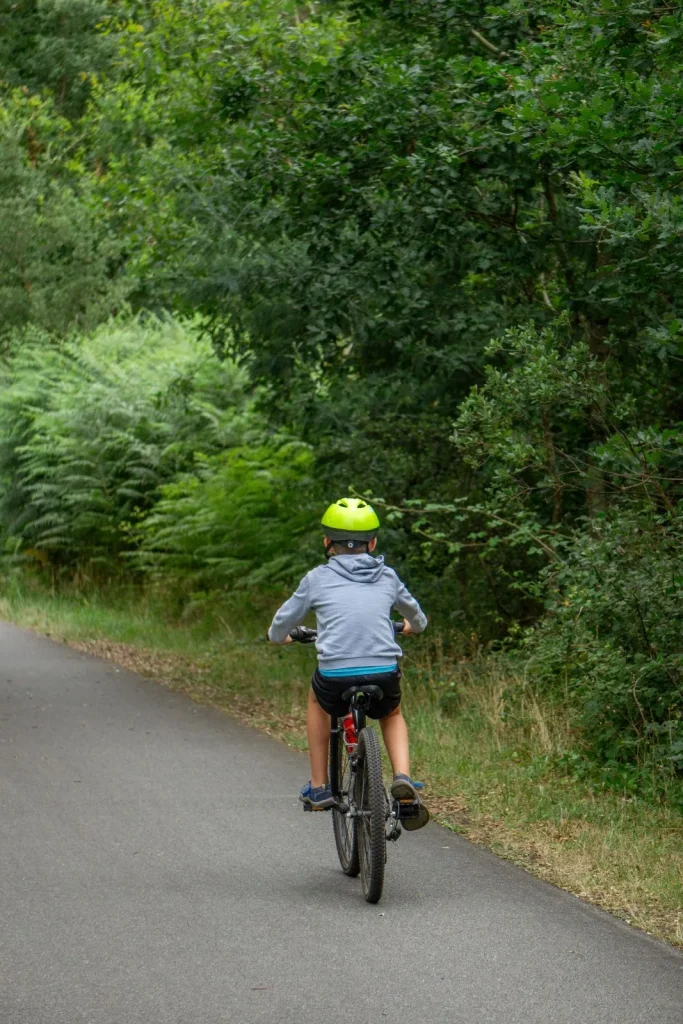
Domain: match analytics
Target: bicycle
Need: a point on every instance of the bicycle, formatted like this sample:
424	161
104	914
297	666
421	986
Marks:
365	817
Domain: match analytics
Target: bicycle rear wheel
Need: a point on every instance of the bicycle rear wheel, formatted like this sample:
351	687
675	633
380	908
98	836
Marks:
370	807
345	831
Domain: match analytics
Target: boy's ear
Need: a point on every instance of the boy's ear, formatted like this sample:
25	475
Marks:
372	544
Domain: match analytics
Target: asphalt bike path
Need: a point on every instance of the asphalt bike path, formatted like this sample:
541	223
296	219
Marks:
156	868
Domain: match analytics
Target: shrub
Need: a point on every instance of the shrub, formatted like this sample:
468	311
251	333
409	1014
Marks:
611	642
90	430
237	520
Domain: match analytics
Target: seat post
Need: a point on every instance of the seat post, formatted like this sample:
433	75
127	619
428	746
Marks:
359	697
358	710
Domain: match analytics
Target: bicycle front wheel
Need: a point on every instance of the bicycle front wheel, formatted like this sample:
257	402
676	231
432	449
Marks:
345	831
370	810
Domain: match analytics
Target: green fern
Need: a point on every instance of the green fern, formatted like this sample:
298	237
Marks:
91	431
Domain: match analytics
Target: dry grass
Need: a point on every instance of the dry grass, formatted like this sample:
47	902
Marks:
490	762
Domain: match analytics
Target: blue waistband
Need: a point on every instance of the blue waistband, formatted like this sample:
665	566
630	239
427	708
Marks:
358	670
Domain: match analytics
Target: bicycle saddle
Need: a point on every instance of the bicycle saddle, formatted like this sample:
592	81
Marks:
373	692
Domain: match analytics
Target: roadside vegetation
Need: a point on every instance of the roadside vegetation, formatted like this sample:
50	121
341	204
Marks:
256	255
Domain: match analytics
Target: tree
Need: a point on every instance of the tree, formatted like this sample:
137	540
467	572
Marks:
54	46
57	261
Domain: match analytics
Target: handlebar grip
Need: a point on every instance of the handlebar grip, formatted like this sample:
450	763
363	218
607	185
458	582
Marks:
303	635
398	627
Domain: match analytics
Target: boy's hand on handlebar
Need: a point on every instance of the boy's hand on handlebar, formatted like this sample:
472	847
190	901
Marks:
303	635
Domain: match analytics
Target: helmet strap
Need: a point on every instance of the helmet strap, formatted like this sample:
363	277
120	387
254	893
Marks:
350	546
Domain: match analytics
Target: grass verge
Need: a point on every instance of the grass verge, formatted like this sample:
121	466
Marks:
492	778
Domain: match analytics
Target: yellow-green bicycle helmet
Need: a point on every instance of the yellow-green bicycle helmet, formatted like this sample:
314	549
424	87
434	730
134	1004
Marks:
350	519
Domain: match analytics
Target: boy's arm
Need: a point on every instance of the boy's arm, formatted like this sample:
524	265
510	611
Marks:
292	613
406	605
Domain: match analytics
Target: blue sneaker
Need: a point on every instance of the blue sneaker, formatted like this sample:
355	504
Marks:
404	788
318	799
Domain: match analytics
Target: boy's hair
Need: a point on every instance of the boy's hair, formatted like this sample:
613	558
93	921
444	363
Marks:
349	547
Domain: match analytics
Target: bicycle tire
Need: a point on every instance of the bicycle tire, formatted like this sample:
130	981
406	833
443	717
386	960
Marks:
371	805
345	832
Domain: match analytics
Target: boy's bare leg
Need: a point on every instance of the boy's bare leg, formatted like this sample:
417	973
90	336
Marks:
395	732
318	732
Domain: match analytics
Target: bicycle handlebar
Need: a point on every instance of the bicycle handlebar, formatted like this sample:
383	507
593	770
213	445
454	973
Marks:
304	635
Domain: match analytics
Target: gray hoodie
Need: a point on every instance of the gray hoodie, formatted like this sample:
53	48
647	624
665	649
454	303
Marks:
352	597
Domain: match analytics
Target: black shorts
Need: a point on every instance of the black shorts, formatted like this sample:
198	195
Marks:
328	691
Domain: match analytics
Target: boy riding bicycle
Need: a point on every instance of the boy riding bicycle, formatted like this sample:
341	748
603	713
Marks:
353	595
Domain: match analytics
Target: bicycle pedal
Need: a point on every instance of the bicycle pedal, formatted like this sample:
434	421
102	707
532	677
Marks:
407	809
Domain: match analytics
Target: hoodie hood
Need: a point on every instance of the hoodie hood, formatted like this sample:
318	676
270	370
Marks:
357	568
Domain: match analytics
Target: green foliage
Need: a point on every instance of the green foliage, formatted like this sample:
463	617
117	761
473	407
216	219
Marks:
91	430
360	196
53	45
582	477
57	261
611	640
370	190
240	519
564	433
